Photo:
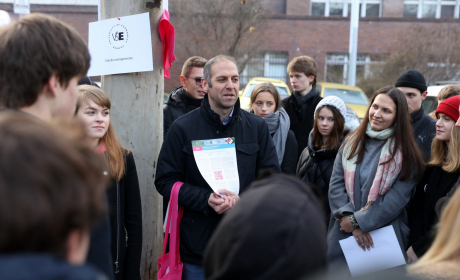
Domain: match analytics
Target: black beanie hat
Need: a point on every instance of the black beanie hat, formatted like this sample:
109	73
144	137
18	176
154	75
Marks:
413	79
275	231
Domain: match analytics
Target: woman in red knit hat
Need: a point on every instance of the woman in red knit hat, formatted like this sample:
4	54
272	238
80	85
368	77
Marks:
438	179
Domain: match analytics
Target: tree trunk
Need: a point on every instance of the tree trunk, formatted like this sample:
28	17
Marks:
137	116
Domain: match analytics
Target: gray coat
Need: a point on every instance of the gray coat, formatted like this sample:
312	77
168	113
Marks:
388	209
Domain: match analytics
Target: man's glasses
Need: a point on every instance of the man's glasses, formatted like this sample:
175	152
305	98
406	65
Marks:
197	80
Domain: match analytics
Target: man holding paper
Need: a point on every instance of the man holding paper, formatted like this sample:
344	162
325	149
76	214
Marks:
230	133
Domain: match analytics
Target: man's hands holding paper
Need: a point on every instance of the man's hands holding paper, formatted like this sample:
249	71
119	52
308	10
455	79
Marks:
223	202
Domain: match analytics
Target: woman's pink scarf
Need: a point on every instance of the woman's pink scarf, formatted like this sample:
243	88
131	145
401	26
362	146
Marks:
386	173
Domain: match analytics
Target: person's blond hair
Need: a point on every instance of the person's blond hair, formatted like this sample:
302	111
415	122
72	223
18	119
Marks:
114	154
446	154
448	91
446	246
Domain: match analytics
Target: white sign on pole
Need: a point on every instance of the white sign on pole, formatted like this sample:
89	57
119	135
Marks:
21	7
120	45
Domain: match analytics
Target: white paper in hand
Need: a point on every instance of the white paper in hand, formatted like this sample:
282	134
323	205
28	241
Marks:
385	254
216	160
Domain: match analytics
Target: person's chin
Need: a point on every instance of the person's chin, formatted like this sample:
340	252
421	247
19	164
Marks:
376	127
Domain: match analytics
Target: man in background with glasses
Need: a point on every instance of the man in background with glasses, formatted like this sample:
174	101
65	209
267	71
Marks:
185	98
188	96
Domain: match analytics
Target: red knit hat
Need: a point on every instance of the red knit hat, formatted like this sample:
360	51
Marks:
450	107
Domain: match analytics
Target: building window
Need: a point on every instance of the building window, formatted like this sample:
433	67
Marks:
432	8
367	8
336	70
268	65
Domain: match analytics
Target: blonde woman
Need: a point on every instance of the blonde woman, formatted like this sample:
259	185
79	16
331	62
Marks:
93	108
442	260
438	179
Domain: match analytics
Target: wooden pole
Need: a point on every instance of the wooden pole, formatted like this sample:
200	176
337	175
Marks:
137	116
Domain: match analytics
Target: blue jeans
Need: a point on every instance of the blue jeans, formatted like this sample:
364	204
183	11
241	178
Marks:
192	272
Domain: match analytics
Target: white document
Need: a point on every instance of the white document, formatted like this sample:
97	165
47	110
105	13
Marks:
385	254
120	45
216	160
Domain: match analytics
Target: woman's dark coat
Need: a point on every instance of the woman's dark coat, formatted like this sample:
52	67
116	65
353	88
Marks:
126	222
435	184
315	166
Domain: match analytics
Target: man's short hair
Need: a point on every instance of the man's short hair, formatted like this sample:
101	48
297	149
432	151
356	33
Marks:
304	64
207	68
34	49
194	61
449	91
51	183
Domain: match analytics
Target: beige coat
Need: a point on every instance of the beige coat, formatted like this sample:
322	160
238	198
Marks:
442	271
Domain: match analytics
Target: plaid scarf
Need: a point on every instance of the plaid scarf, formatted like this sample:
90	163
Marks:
386	172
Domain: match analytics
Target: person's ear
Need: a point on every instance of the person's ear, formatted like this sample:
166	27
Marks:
424	95
183	81
77	246
204	84
312	78
52	85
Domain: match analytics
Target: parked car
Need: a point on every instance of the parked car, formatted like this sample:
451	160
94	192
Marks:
352	120
354	97
245	94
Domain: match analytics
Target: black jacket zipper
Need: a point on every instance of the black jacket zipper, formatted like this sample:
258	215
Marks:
118	228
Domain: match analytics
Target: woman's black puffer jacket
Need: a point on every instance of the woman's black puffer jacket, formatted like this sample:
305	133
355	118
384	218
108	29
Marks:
315	166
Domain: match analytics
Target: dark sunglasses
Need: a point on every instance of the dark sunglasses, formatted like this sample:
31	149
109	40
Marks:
197	80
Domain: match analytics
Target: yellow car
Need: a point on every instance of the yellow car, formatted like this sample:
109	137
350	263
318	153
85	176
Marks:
245	94
353	97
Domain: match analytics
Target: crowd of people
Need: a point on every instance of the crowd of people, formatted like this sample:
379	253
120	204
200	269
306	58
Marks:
70	204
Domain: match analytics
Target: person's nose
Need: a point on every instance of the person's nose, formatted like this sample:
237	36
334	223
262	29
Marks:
457	124
99	117
377	114
230	84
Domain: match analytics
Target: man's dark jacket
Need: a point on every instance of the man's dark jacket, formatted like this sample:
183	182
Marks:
254	151
43	266
177	105
424	131
301	120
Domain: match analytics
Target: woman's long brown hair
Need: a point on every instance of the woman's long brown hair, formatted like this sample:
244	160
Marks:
336	133
114	154
403	137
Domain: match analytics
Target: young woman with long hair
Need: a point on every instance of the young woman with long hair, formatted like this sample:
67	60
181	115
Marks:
266	103
374	176
317	159
93	108
442	259
438	179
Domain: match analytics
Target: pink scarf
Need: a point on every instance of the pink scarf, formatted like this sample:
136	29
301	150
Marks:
386	173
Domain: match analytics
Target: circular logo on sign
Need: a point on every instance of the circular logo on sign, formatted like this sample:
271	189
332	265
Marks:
118	36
